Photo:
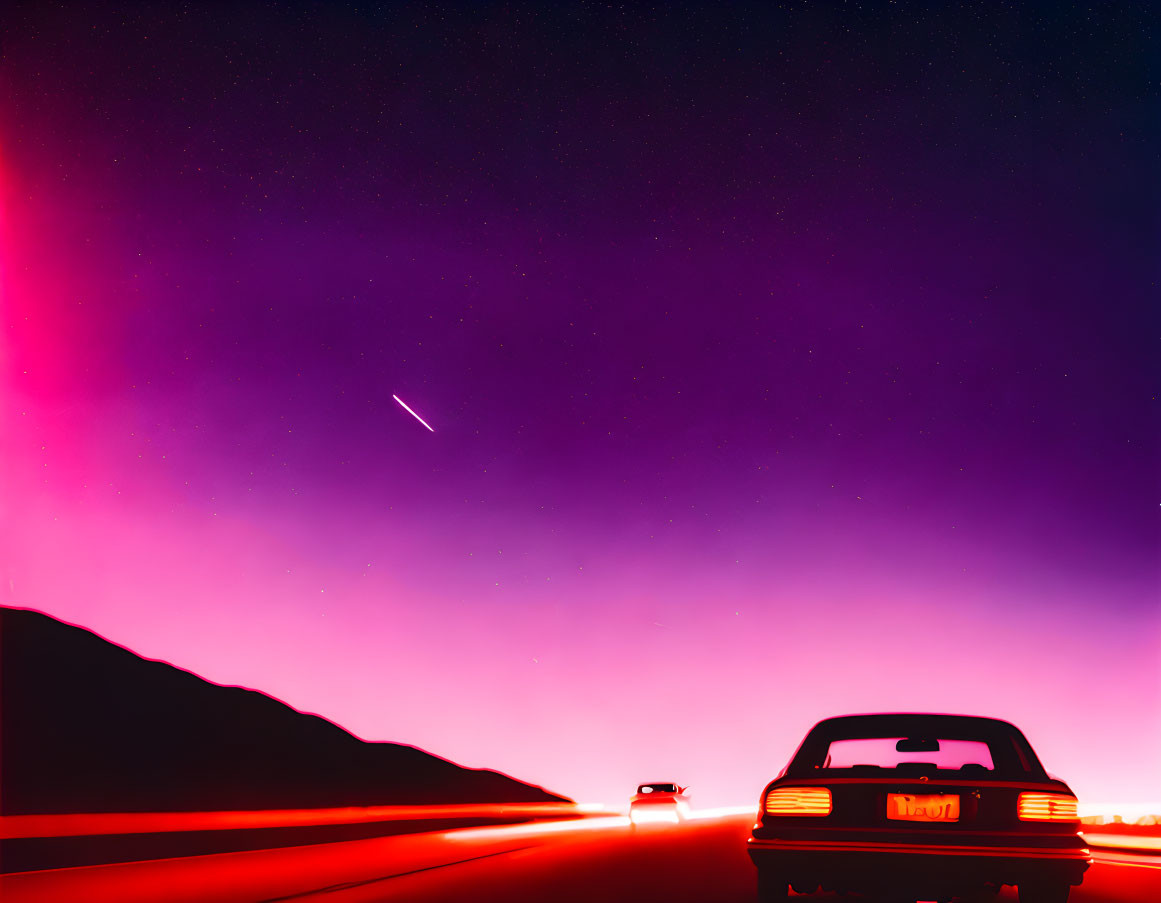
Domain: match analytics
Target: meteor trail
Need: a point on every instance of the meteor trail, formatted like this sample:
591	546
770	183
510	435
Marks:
411	412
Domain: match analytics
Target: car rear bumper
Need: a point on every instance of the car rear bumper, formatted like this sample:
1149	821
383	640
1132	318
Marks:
854	864
654	810
652	805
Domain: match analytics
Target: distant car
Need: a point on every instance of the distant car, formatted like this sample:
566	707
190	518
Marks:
912	805
659	802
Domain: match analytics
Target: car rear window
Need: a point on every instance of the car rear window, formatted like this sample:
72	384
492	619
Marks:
880	752
657	788
867	743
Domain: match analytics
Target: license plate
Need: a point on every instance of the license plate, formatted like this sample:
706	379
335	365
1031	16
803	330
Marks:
923	807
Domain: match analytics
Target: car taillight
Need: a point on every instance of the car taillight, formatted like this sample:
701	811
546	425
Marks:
798	801
1046	807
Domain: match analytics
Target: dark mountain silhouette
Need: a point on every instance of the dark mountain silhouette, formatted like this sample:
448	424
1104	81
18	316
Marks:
87	726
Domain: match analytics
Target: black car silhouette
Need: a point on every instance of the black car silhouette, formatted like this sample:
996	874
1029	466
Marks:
915	805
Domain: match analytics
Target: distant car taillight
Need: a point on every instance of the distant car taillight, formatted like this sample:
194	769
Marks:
798	801
1046	807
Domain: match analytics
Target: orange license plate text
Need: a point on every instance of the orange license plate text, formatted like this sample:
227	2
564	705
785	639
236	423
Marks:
925	807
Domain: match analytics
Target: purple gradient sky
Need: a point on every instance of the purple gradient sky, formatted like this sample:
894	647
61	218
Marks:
781	364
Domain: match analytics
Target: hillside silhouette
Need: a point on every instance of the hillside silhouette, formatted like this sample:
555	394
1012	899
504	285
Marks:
87	726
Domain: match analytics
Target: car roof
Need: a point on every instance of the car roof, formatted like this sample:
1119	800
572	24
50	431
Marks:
909	721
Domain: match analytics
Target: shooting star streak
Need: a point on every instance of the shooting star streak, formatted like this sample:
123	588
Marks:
411	412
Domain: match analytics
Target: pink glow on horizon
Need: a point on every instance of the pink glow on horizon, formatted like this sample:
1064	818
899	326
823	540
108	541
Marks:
625	698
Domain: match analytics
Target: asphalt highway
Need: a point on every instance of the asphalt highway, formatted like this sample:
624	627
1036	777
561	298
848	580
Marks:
598	859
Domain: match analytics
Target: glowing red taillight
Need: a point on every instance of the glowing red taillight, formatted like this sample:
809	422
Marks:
798	801
1046	807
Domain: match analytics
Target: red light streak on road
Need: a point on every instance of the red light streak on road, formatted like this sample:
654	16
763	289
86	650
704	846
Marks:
547	865
644	816
471	835
14	826
241	877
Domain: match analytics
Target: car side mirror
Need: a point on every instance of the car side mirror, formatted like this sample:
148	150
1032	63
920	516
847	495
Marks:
682	789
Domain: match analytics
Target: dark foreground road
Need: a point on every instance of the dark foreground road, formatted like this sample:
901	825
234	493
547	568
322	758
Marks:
701	861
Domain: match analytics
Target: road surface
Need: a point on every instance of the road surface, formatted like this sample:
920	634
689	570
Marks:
598	859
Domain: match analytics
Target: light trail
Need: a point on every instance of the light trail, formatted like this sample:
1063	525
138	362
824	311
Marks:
1128	812
1123	841
411	412
722	812
599	823
96	823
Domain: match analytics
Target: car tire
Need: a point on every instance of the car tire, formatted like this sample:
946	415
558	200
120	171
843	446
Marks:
1044	892
772	887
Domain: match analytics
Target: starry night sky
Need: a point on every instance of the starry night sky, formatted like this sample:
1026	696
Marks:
783	362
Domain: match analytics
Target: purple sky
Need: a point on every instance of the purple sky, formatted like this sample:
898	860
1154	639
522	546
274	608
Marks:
782	364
